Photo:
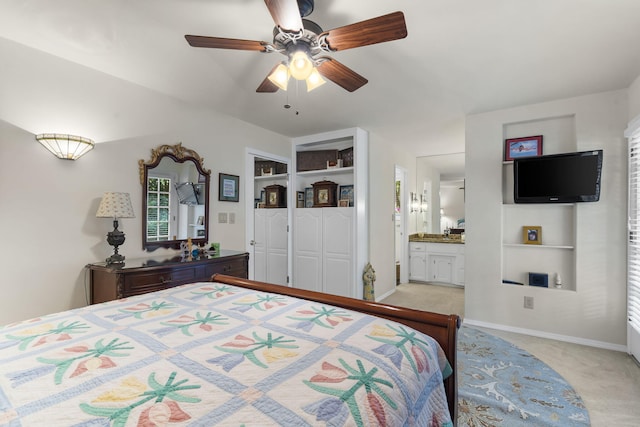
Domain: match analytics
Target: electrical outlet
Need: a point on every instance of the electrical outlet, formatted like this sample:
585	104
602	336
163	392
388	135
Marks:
528	302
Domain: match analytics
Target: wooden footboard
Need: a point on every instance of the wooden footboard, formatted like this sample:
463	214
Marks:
443	328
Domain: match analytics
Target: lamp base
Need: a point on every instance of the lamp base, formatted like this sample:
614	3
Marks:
115	259
115	238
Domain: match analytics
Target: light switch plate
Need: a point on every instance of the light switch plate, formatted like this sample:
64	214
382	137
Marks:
232	217
222	217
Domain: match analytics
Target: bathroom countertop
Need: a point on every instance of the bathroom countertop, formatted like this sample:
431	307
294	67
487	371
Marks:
436	238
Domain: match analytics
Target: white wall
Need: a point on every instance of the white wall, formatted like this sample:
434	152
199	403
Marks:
48	224
595	312
634	99
383	156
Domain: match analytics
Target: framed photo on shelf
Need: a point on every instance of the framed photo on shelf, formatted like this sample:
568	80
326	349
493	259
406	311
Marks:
299	199
529	146
228	189
345	192
343	203
532	234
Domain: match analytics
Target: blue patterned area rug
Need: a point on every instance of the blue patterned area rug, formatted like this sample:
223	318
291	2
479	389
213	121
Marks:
500	384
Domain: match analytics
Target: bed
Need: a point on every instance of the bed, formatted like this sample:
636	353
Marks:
230	352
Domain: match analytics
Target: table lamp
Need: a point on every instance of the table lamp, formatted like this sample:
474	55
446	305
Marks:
115	205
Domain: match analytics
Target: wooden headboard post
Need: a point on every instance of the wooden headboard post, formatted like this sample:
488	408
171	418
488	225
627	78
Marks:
443	328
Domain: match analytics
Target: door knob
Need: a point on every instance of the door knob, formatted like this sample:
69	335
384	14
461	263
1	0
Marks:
252	242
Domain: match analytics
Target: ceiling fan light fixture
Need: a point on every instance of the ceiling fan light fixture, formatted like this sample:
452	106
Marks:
300	65
314	80
280	77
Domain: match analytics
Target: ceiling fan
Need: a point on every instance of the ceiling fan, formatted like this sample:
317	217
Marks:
306	45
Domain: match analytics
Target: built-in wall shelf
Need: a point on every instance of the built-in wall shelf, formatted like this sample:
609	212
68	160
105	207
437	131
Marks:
523	245
332	171
268	177
556	252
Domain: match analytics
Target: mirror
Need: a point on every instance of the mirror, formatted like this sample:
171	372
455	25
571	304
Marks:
440	179
175	202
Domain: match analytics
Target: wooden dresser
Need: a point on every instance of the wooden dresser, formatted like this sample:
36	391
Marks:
143	275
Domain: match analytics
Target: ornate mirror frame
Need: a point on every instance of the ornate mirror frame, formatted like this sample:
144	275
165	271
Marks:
179	154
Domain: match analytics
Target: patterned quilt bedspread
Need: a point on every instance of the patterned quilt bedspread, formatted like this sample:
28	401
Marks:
212	354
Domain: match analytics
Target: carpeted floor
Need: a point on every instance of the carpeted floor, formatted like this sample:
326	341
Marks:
608	381
503	385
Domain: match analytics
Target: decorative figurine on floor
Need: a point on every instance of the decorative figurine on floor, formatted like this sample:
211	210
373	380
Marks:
369	277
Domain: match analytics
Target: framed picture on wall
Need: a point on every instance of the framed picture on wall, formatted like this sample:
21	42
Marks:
529	146
228	187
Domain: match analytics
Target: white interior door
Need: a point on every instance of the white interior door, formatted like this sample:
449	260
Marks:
276	246
401	218
258	258
259	245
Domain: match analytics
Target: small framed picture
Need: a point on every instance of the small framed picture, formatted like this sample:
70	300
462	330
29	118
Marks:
299	199
343	203
529	146
532	234
346	192
308	197
228	187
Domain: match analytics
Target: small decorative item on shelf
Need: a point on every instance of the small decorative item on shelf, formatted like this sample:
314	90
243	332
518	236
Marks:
346	192
346	156
308	197
334	164
215	249
276	196
267	171
299	199
343	203
532	234
324	194
539	279
184	249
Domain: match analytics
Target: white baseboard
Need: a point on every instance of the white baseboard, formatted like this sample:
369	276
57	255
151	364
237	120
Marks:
381	297
548	335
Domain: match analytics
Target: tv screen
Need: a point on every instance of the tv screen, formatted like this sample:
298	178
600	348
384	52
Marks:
558	178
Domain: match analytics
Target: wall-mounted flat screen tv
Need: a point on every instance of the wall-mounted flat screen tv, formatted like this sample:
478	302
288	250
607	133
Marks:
558	178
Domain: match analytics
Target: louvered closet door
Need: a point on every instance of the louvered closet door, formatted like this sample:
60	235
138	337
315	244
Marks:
633	279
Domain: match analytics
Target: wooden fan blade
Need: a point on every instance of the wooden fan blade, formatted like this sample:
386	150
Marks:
222	43
285	14
267	86
376	30
341	75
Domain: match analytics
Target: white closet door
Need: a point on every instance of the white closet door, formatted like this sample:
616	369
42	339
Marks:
259	247
337	248
308	249
276	245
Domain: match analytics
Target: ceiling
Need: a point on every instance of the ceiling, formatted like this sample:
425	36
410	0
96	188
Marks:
460	57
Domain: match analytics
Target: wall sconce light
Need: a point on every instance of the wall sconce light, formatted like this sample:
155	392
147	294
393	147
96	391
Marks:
67	147
415	205
424	206
115	205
